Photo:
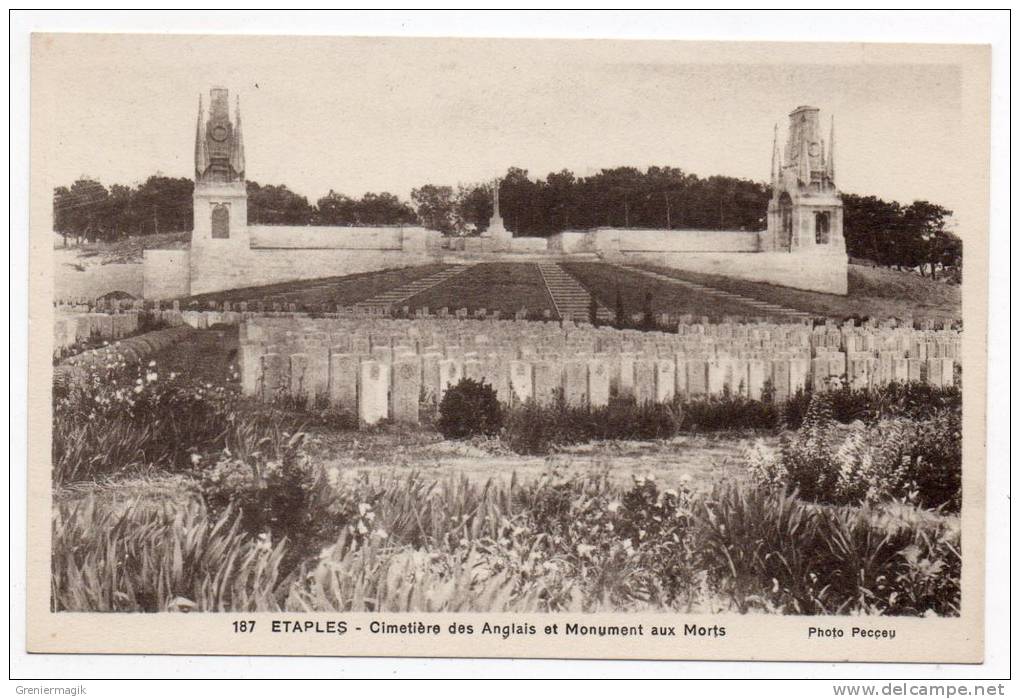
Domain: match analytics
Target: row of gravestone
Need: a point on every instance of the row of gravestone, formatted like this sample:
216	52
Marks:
522	340
118	354
391	381
663	320
70	328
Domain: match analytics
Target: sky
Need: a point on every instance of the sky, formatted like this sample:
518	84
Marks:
357	115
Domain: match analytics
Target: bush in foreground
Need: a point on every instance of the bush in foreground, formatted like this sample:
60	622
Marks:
915	460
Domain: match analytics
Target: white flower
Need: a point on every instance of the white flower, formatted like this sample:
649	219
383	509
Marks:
152	363
195	459
363	508
138	389
151	376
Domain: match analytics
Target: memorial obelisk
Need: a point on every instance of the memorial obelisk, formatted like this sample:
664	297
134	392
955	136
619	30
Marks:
497	237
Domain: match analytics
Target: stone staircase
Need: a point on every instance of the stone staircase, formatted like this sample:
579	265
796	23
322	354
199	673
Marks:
400	294
570	299
766	308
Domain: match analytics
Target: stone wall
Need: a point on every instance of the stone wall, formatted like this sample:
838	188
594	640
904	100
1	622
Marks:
529	244
256	266
166	274
334	237
636	240
570	241
380	368
809	270
272	266
291	253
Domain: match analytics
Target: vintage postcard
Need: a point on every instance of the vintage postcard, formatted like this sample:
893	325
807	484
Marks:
507	348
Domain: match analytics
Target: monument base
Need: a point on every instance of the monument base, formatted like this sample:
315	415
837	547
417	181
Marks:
496	238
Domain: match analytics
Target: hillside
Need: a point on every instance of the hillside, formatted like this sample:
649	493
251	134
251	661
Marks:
873	291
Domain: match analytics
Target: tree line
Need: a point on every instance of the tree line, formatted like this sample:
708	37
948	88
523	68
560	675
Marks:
887	233
88	209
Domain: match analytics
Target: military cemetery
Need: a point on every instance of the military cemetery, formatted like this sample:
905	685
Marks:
383	417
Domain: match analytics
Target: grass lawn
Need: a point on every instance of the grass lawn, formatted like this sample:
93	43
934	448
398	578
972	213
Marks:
206	356
345	291
873	291
603	281
700	461
495	286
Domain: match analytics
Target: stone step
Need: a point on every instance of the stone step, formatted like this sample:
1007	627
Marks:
570	298
406	291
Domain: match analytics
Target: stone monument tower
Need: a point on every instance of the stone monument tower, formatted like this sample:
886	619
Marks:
496	237
219	237
806	211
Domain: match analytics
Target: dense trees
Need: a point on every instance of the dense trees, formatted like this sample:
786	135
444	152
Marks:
894	235
88	209
888	233
660	197
912	236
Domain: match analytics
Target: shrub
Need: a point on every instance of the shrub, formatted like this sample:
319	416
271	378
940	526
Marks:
731	411
532	429
915	400
794	409
470	408
918	460
933	467
535	429
280	494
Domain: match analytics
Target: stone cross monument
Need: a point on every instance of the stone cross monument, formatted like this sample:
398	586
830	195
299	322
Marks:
497	237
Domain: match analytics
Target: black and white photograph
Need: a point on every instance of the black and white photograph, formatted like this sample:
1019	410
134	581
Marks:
620	338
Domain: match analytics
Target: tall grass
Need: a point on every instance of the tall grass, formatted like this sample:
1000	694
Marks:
150	559
119	419
769	550
554	544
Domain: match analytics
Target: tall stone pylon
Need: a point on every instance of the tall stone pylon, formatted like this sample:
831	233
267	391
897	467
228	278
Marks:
219	238
496	237
806	210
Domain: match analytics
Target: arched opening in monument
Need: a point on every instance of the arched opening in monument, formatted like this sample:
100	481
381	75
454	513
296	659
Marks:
785	222
822	228
220	221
